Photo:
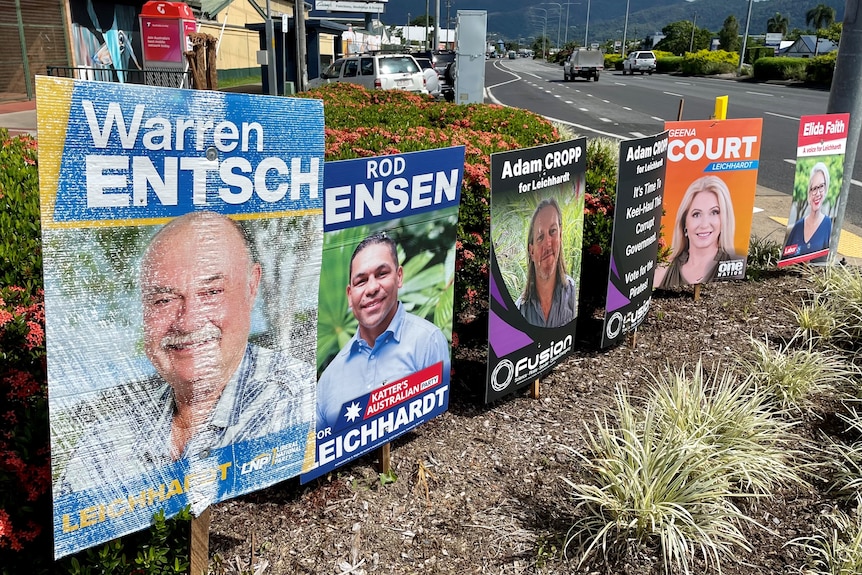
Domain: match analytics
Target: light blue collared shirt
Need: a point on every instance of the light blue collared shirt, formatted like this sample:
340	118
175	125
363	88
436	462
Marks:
408	345
129	427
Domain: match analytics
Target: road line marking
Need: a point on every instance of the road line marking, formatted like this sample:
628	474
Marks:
557	96
757	210
627	108
605	119
760	94
637	134
674	94
606	101
683	83
783	116
569	102
657	118
584	109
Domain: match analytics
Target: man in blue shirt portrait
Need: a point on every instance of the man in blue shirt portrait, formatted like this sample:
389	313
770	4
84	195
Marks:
390	342
211	387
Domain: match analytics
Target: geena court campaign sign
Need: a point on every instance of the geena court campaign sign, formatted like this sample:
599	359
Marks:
182	236
386	299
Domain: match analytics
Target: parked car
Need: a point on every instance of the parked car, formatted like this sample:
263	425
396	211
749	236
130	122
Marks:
583	63
432	80
639	61
375	71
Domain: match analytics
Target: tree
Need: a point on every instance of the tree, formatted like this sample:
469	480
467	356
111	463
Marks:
420	20
728	36
678	38
820	16
778	23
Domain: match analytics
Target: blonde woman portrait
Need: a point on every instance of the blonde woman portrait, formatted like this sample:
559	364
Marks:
702	235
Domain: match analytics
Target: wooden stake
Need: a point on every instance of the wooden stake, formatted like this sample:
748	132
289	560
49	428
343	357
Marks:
384	463
697	292
679	113
199	554
534	389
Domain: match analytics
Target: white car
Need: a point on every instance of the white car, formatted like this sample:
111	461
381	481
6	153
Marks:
375	71
639	61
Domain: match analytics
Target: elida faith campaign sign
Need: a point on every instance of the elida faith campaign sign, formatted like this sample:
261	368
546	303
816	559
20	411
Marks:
182	241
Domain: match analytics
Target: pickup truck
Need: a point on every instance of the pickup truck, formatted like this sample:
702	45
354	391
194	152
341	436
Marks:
583	63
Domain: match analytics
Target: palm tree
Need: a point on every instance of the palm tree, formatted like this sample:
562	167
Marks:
820	16
778	23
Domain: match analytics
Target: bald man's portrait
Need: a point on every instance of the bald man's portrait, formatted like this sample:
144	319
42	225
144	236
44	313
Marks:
211	387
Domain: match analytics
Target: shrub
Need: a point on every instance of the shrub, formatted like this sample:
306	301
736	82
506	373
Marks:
821	69
25	500
780	68
668	64
706	62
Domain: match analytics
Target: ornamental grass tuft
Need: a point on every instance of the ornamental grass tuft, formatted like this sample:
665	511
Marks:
648	485
792	377
750	436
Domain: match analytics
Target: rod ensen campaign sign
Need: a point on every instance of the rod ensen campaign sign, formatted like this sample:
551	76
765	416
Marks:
386	299
181	232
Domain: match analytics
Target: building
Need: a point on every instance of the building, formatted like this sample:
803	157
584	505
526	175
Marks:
103	39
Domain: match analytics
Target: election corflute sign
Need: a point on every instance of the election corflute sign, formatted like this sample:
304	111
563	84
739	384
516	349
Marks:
634	245
817	184
537	214
709	193
182	238
386	299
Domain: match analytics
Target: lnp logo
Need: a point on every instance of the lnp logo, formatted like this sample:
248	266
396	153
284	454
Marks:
501	377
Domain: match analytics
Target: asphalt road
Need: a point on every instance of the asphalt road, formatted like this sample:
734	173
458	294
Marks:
631	106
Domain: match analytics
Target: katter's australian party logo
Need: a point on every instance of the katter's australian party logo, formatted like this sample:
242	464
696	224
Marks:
378	417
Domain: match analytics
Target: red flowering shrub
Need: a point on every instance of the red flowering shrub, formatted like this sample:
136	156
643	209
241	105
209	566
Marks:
25	481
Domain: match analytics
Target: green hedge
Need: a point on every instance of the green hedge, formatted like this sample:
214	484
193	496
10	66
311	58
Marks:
780	68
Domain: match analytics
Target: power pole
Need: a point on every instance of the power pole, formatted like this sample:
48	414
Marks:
846	96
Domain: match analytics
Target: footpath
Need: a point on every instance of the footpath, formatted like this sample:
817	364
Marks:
768	221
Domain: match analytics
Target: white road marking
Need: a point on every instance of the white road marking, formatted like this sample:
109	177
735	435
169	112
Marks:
627	108
637	134
782	116
569	102
657	118
674	94
584	109
760	94
606	120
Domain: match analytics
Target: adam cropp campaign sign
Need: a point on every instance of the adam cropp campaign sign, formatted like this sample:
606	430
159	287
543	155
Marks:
182	234
537	214
640	186
386	299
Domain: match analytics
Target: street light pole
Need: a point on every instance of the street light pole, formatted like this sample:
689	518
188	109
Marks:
625	29
587	29
693	28
559	19
544	33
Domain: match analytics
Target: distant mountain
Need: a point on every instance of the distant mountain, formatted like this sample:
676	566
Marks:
514	19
